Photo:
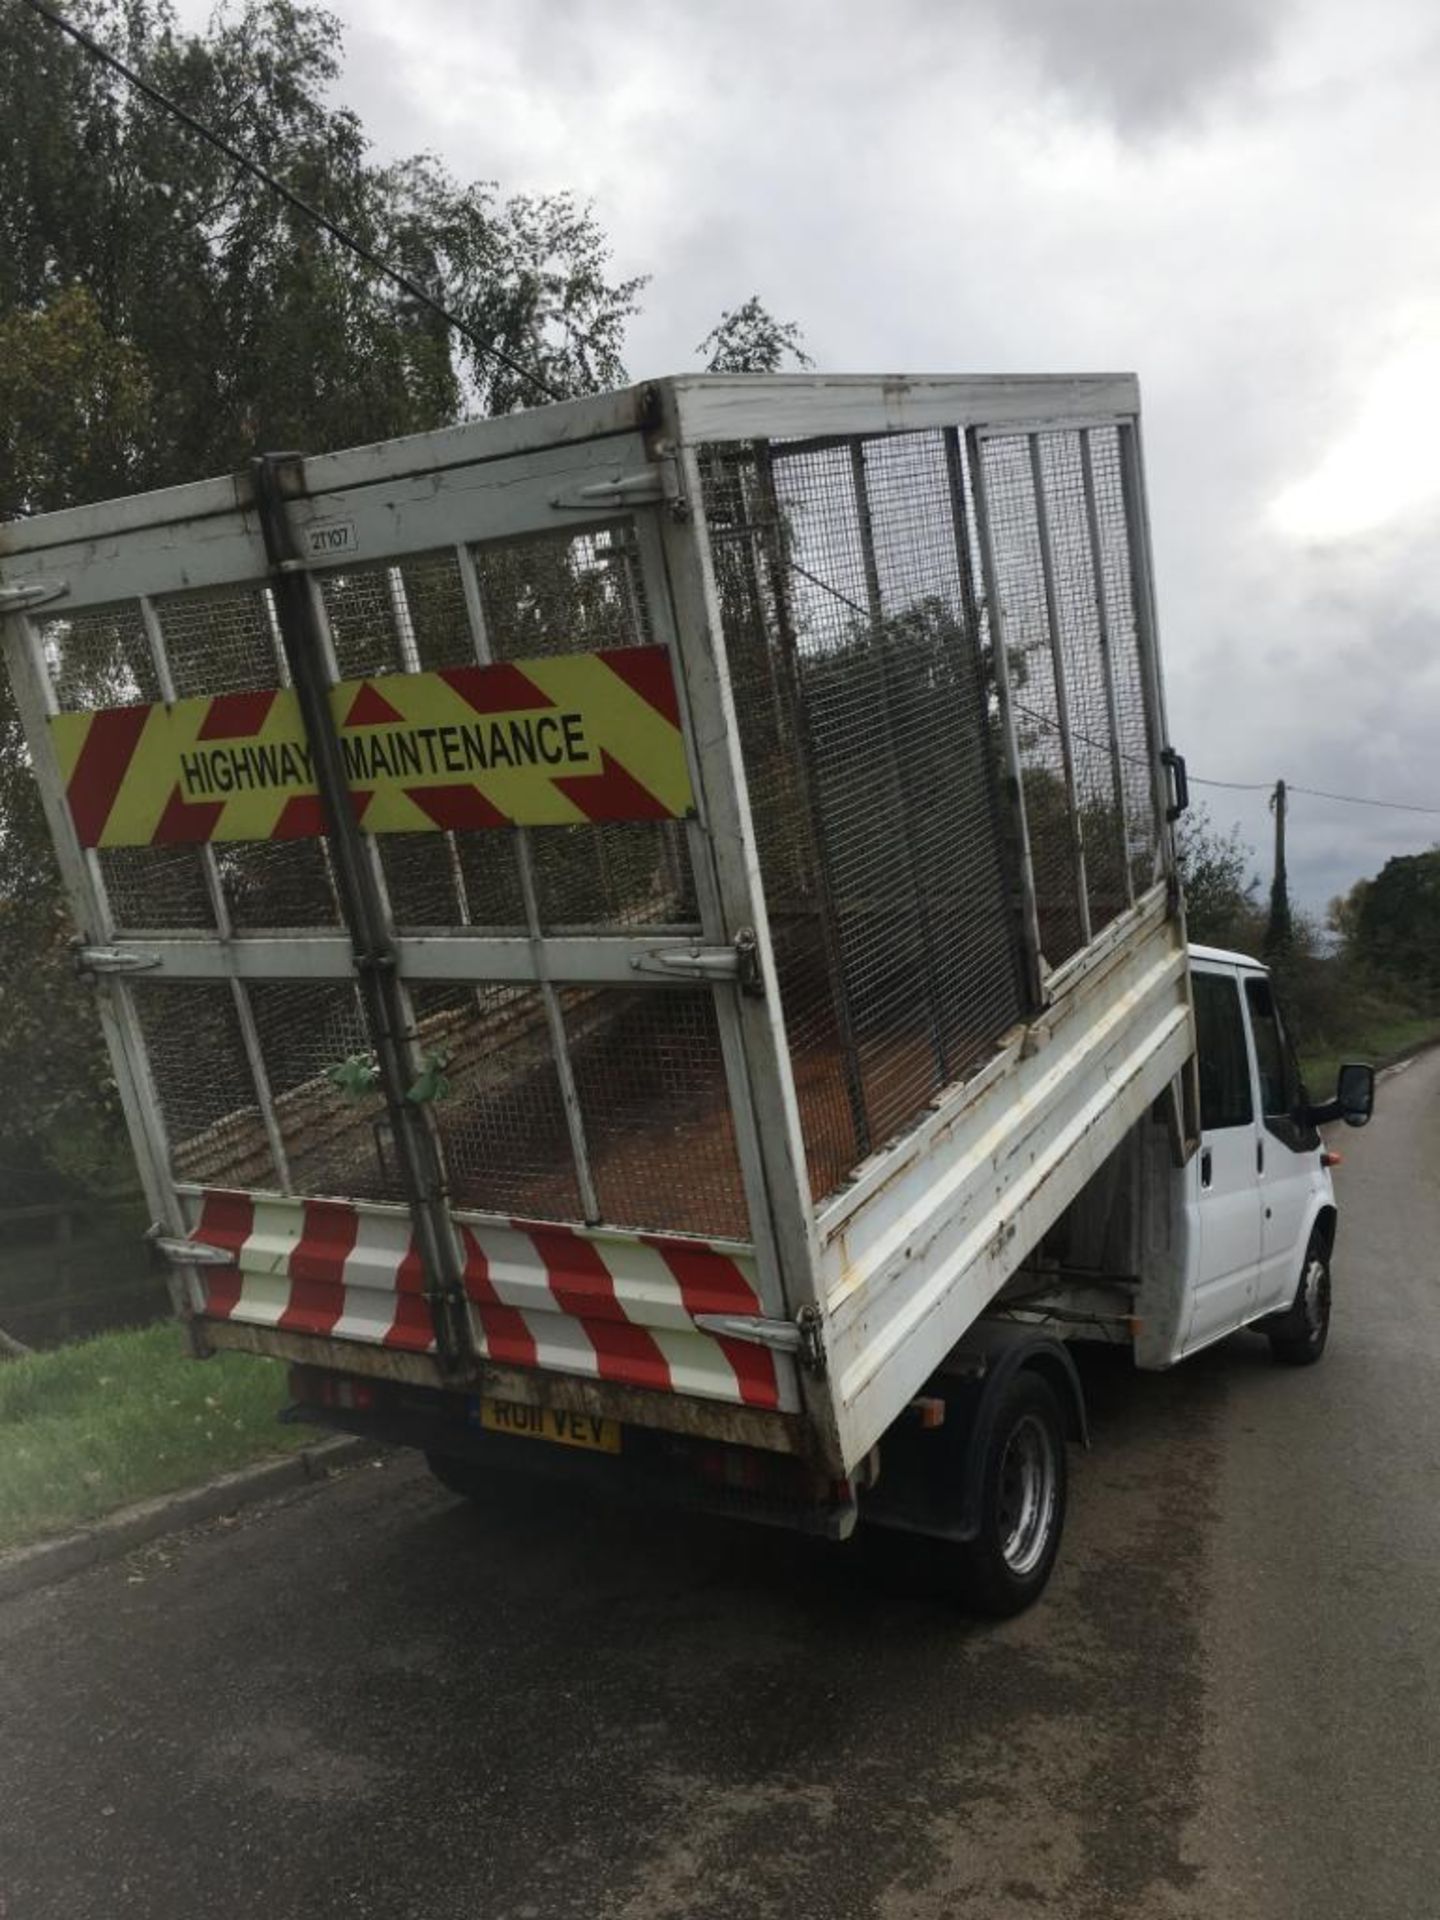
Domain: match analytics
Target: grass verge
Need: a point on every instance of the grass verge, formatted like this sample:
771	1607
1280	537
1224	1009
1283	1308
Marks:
1379	1041
92	1427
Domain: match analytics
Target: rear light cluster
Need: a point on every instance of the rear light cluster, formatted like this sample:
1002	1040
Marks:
317	1387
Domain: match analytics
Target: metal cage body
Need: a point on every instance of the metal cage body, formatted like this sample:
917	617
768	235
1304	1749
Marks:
719	1079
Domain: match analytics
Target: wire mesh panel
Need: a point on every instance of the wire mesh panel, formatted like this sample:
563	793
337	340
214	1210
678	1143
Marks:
102	658
1040	718
869	745
331	1116
1056	510
1082	617
500	1114
655	1109
204	1084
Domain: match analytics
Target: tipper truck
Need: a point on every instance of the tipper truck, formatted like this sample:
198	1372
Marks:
640	941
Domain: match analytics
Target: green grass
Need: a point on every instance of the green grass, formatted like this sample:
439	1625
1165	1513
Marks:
92	1427
1378	1041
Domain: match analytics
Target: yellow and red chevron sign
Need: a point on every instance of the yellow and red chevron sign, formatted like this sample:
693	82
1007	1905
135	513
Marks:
533	743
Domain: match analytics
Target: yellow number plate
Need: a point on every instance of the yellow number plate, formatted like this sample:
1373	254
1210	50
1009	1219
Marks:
547	1423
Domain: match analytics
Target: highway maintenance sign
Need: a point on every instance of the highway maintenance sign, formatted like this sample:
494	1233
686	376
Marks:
530	743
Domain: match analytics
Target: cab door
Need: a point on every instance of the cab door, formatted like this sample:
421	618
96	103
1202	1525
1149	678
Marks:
1225	1197
1288	1158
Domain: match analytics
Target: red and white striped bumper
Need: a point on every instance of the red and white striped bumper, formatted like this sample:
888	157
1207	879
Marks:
603	1305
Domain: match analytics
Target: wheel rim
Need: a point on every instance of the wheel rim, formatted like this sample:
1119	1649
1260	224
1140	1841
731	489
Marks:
1027	1495
1315	1301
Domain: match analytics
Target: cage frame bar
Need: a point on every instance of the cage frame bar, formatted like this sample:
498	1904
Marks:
1034	961
1055	633
1107	656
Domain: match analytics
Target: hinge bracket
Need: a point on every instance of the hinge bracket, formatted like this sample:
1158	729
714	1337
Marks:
656	485
114	960
739	962
38	594
803	1337
188	1253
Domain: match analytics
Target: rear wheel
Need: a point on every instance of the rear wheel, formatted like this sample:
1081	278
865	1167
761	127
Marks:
1298	1338
1022	1504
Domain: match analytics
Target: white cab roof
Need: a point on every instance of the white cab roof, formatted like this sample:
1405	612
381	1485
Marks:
1223	957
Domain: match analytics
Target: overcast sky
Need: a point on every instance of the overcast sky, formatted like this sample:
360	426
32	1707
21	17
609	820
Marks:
1237	199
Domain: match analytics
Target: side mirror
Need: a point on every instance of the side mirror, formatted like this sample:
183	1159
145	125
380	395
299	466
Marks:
1354	1100
1355	1093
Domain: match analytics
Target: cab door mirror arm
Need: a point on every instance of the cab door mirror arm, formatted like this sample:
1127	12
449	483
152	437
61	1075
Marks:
1354	1101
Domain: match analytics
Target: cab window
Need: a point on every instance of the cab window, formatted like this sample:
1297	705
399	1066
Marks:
1282	1097
1225	1098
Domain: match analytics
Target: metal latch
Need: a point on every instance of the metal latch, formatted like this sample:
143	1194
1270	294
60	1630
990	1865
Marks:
115	960
739	962
803	1337
38	594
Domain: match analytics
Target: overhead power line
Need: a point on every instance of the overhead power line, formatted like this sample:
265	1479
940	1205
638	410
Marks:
413	288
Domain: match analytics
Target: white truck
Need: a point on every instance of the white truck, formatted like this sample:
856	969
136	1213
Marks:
641	940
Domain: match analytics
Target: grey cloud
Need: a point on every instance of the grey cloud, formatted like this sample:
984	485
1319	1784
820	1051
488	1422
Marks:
1146	66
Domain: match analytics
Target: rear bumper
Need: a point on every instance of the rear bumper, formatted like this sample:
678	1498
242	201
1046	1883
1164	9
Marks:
653	1467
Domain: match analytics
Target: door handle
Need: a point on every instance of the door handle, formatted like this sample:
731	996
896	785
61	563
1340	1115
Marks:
1206	1167
1260	1156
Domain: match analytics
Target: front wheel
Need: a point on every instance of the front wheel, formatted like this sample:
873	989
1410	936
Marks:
1022	1504
1298	1338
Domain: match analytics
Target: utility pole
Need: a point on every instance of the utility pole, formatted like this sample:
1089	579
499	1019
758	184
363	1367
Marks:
1278	932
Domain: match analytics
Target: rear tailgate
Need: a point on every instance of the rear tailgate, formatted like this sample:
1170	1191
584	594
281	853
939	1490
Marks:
434	1063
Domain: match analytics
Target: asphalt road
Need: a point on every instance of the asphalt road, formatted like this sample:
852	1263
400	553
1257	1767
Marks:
371	1700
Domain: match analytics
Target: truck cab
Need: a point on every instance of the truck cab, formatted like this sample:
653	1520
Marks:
1256	1213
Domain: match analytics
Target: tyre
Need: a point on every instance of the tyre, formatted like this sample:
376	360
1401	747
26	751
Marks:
1297	1338
1022	1505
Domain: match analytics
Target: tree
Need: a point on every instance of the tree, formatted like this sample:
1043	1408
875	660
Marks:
1221	891
1395	922
253	326
751	340
163	316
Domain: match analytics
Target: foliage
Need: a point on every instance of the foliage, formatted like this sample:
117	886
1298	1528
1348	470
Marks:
163	316
250	325
1391	924
751	340
1221	889
125	1416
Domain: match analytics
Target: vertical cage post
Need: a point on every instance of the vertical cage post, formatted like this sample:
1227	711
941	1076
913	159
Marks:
1014	774
90	904
716	928
806	762
300	615
1062	686
220	907
1137	527
903	785
1107	657
529	893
